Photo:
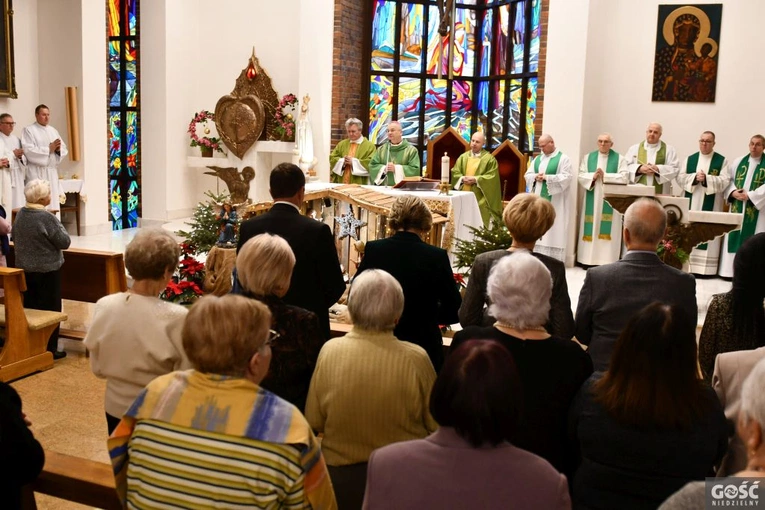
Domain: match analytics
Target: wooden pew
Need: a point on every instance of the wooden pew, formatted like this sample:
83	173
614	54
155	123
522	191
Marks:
74	479
26	330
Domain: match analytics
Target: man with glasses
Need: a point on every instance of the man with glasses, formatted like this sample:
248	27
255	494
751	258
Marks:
351	158
12	166
704	177
600	228
653	162
549	176
746	194
45	150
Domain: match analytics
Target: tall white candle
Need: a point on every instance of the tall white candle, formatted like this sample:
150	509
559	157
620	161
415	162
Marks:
445	168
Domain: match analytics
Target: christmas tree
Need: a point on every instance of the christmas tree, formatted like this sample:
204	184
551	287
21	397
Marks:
205	226
494	237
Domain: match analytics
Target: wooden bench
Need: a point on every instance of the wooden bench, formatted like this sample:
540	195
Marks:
26	330
82	481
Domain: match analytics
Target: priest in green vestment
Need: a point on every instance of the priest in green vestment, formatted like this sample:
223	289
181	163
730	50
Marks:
477	171
653	162
704	177
746	194
600	228
394	160
351	157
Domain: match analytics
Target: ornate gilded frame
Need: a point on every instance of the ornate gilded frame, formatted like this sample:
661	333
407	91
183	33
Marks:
7	64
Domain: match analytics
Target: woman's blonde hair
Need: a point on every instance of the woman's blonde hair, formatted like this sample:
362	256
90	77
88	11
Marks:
528	217
221	334
151	252
36	190
409	212
264	265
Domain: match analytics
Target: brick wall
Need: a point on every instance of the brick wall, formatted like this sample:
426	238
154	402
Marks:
542	67
348	66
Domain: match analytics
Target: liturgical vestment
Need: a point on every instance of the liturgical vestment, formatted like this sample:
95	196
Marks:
660	154
361	150
17	172
404	156
487	191
43	164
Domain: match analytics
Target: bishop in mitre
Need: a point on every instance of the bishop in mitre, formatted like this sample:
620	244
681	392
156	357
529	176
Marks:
12	192
44	150
394	160
351	157
600	227
477	171
704	177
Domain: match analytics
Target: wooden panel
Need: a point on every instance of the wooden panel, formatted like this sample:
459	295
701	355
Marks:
449	142
512	166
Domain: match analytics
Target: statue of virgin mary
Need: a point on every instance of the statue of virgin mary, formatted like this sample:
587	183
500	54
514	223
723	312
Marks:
304	139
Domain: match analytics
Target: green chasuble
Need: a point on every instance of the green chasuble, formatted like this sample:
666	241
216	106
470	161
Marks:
404	154
552	169
612	167
487	188
714	169
751	213
661	158
364	153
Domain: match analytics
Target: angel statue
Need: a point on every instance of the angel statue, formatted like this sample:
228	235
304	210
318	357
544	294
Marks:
304	139
238	183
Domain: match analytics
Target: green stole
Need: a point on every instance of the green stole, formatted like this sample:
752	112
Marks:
714	169
552	169
661	158
612	166
751	213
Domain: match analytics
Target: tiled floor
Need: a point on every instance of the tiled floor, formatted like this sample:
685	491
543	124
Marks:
65	404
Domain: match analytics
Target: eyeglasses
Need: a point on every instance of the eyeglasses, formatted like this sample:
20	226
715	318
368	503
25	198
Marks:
603	142
706	141
272	336
10	123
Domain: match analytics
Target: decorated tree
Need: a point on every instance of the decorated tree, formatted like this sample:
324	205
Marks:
494	237
205	226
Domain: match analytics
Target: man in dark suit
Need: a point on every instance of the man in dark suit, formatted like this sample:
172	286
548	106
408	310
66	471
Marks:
317	281
431	297
612	293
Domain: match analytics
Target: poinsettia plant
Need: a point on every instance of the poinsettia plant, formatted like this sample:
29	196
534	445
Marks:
186	285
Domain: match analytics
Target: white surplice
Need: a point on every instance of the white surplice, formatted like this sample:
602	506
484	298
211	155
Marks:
667	172
600	251
553	243
41	163
18	170
757	197
705	262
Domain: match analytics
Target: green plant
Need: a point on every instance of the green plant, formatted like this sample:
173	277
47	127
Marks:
494	237
205	226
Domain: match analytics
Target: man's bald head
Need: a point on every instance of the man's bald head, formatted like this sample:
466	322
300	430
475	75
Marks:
547	144
653	132
645	223
477	141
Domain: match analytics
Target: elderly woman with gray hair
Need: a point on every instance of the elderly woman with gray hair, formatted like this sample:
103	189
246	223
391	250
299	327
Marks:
369	389
39	239
424	273
350	159
264	267
751	429
135	336
551	369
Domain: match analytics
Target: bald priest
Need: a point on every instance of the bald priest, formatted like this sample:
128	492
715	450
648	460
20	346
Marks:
477	171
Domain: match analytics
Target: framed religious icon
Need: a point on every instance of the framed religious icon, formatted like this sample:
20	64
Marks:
7	70
687	49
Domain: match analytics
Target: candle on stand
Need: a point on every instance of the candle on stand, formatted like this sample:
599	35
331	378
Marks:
445	169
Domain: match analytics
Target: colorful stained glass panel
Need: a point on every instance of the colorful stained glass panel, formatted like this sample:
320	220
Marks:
531	112
514	115
501	39
486	40
132	144
462	107
383	35
132	7
483	106
519	32
434	41
380	107
115	147
131	81
464	43
412	38
113	18
435	107
113	72
115	204
132	205
497	112
536	31
409	108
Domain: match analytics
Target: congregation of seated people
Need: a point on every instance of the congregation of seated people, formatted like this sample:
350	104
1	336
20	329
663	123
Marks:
242	402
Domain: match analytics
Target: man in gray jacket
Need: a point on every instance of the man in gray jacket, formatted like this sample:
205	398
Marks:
613	293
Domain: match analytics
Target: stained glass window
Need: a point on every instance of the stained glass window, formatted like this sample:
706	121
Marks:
123	105
482	76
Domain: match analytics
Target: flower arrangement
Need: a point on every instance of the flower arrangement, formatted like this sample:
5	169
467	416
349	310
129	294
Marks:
186	285
286	129
205	142
671	254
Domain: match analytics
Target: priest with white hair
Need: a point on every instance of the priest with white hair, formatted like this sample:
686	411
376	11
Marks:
351	157
653	162
600	228
14	171
549	176
44	150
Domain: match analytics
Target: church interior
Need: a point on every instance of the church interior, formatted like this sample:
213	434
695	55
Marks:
519	69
